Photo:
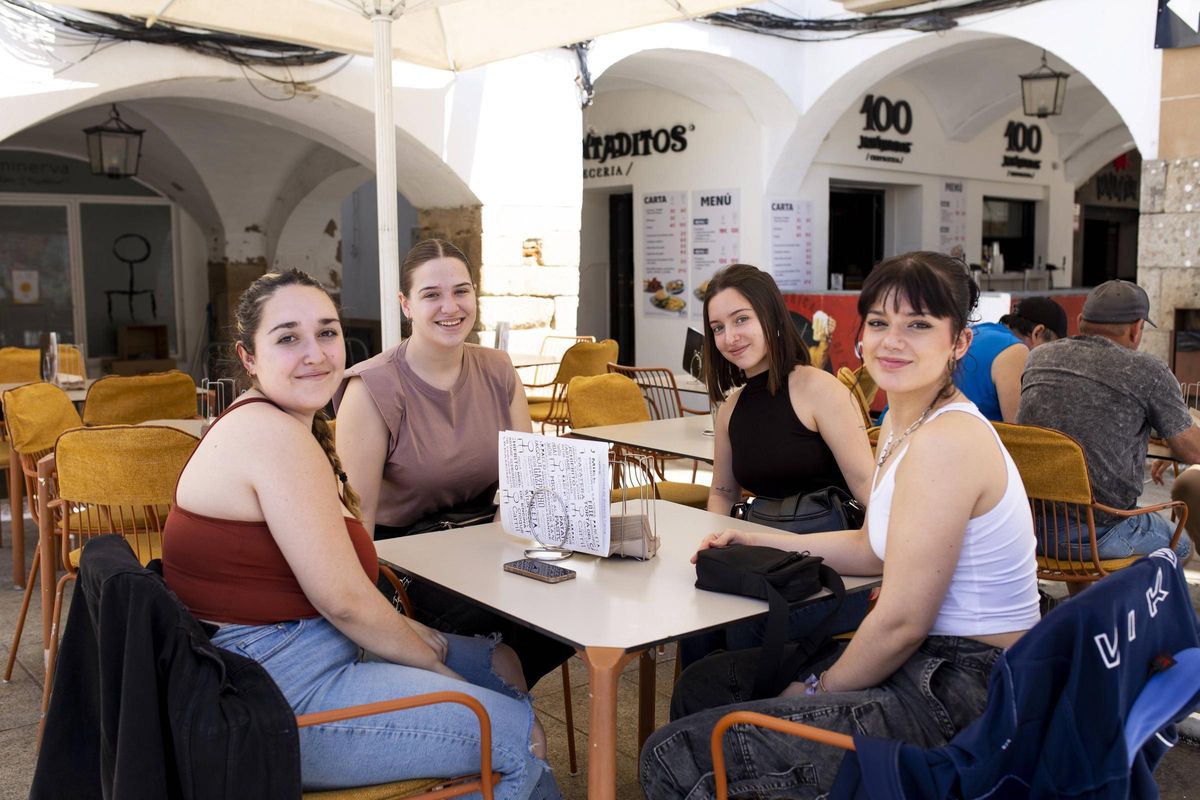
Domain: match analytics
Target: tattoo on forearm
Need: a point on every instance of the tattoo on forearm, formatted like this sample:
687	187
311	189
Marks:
723	490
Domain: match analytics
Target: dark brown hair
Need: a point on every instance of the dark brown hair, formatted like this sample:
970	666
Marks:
249	317
784	349
934	284
424	252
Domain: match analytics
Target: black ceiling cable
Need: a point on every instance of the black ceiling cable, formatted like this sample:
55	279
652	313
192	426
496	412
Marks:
821	30
241	50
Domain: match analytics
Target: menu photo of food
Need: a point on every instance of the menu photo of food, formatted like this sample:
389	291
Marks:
664	300
700	290
652	285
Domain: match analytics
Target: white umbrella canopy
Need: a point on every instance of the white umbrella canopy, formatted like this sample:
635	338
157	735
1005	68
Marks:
445	34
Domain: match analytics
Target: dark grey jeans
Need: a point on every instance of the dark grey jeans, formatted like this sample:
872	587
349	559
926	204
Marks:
938	691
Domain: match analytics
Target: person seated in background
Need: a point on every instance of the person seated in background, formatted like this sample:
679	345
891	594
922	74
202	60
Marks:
784	426
265	541
418	433
955	546
1098	389
990	375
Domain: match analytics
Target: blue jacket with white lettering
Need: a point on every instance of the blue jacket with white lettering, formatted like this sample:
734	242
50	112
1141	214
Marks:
1060	702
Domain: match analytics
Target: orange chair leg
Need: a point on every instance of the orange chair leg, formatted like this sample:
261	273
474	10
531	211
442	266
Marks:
16	642
55	629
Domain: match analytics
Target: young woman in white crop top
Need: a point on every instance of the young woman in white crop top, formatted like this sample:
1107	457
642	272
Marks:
948	526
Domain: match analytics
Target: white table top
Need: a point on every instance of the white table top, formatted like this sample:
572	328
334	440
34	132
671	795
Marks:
612	602
76	393
687	383
521	360
195	427
682	436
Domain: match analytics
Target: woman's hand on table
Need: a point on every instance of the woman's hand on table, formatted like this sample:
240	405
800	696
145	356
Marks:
435	639
724	539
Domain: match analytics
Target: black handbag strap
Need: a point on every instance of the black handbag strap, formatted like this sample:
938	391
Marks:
774	674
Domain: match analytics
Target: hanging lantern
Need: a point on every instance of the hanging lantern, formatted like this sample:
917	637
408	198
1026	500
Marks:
1043	91
114	148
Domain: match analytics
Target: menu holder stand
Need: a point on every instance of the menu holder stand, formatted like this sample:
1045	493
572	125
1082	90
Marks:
550	537
632	527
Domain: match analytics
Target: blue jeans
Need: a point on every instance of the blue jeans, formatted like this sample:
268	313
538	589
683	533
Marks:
1130	536
318	668
937	692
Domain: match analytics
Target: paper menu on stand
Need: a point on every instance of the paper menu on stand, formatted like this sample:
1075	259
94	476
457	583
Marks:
555	491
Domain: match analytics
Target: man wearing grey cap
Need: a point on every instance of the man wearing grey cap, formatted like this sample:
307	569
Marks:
1099	389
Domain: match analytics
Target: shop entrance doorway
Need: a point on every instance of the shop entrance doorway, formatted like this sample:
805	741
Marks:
620	274
855	234
1010	225
1109	245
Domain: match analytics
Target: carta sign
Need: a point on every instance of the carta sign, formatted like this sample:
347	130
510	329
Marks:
639	143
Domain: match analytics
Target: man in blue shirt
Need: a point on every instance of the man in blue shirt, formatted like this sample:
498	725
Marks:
990	374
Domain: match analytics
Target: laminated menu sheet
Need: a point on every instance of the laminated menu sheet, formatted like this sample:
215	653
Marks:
555	491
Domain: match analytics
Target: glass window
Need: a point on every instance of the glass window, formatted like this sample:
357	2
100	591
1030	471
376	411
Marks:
128	277
35	275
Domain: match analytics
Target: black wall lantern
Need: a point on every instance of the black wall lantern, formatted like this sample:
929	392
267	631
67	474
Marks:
1043	91
114	148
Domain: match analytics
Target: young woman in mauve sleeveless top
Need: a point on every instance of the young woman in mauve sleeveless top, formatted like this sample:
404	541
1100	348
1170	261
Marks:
786	427
261	543
955	546
418	432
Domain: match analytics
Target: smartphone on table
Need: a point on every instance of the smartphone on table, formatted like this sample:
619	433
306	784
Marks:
539	570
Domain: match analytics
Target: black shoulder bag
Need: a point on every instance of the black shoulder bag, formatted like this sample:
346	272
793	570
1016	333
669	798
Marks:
829	509
780	577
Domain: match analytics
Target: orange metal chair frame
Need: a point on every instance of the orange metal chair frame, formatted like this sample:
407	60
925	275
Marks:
772	723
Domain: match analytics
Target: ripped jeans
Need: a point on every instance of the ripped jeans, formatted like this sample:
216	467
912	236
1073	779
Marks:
318	668
937	692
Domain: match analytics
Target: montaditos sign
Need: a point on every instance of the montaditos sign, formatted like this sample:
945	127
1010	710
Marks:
601	149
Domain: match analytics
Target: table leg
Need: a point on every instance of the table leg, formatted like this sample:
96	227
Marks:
16	491
604	672
646	680
48	557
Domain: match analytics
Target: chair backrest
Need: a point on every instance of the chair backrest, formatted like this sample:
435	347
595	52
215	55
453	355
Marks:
1054	471
586	358
23	364
862	388
555	346
658	386
605	400
119	400
119	479
36	415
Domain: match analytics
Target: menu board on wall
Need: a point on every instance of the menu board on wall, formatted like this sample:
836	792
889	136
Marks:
952	223
789	220
664	253
716	234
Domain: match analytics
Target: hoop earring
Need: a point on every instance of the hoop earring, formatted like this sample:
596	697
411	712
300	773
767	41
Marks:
858	350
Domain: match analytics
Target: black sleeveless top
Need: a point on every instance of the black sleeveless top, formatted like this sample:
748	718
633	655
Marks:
774	454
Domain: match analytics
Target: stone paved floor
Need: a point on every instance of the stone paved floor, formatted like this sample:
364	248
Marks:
1178	777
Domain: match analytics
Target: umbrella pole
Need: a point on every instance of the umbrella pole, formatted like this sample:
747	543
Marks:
385	183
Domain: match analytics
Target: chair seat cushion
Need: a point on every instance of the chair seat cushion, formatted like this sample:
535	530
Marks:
1073	568
686	494
147	547
539	411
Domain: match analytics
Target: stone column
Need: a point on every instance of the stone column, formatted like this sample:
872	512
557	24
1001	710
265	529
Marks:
1169	227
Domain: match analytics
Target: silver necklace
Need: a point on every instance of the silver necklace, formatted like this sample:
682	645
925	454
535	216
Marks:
890	445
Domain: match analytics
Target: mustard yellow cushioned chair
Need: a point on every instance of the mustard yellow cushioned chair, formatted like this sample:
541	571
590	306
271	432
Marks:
113	479
862	388
19	365
613	399
1055	474
583	359
662	396
34	415
119	400
543	374
24	364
